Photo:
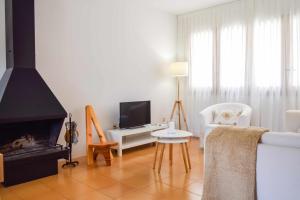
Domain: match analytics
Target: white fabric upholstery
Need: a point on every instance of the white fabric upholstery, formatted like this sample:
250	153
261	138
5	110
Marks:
292	120
206	117
277	172
284	139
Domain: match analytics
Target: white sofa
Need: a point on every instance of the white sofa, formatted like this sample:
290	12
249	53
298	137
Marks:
206	117
278	163
278	166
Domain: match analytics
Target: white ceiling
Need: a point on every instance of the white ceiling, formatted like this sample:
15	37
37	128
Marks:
183	6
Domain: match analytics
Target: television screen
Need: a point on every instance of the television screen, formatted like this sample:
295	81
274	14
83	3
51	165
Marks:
134	114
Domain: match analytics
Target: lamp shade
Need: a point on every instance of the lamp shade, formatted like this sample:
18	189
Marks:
179	69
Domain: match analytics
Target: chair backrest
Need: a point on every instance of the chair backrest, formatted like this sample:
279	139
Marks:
91	119
231	106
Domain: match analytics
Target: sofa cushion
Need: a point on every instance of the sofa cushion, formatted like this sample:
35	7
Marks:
287	139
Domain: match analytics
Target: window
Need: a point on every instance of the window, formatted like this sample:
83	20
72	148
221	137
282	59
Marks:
232	56
231	52
267	53
202	59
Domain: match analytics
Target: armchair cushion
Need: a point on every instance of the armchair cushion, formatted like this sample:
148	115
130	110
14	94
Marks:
226	117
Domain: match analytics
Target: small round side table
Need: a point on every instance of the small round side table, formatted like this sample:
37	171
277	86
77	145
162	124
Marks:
175	137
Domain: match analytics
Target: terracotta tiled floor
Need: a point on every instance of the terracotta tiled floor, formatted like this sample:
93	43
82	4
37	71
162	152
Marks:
130	177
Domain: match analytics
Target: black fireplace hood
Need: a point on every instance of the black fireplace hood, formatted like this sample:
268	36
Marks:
24	95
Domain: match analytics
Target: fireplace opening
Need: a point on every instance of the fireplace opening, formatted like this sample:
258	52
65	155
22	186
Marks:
21	144
28	137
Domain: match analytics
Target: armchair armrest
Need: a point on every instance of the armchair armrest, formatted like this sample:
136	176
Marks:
206	116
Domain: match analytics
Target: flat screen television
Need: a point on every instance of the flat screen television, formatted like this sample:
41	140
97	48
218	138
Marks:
134	114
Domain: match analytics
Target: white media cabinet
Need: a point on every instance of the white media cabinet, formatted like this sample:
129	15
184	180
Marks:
128	138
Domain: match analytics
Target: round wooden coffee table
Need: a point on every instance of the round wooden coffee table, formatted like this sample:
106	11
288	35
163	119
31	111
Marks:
175	137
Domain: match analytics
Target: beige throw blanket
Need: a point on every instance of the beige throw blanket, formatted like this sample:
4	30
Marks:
230	163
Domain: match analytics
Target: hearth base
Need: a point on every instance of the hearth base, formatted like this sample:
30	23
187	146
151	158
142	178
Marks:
34	166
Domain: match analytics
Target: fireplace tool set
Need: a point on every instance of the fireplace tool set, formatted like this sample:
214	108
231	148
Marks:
71	137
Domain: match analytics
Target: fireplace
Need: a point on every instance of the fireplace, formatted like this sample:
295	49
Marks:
31	117
30	150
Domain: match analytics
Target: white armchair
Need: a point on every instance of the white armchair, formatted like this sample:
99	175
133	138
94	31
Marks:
206	117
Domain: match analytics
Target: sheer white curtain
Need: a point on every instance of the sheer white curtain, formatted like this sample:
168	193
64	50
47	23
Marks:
197	38
268	69
293	70
231	52
246	51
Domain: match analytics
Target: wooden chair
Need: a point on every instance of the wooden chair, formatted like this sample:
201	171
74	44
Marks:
103	147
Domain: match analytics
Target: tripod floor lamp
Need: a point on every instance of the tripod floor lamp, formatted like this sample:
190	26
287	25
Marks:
179	70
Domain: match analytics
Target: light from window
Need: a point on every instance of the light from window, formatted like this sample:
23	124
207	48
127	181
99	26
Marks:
267	53
202	59
232	56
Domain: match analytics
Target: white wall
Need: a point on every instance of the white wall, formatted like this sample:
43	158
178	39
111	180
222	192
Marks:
103	52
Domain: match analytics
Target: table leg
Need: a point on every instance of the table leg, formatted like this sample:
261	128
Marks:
120	145
171	154
120	153
188	155
161	157
156	150
184	158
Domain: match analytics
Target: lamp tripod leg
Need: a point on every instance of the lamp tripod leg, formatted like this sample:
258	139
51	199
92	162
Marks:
173	110
184	115
179	115
179	105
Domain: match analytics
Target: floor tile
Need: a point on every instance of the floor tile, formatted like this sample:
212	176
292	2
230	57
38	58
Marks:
130	177
117	190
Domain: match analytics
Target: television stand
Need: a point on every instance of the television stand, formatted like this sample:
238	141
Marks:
135	127
128	138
